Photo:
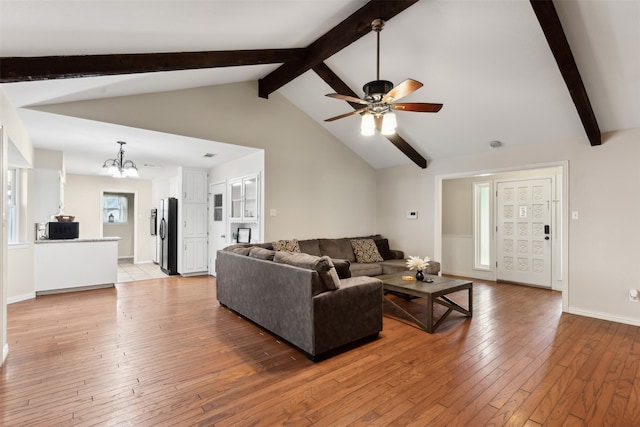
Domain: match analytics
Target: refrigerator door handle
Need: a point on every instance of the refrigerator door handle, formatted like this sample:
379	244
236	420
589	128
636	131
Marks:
162	228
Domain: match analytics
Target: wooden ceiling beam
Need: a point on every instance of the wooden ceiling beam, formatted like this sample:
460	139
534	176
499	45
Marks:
339	37
14	69
341	87
554	33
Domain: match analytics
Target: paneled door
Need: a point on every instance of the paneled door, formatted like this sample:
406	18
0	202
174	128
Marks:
524	231
218	220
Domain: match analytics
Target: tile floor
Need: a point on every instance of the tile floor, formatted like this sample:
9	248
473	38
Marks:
130	272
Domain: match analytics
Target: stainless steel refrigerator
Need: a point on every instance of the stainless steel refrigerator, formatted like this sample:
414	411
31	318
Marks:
168	233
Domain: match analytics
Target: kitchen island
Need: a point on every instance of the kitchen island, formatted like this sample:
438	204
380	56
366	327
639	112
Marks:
75	264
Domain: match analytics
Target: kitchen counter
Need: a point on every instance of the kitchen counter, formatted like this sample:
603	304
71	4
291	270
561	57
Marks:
75	264
98	239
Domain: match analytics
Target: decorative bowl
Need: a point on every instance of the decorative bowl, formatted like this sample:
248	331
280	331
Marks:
65	218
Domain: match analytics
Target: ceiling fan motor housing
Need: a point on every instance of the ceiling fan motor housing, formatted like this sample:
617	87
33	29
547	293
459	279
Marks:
376	89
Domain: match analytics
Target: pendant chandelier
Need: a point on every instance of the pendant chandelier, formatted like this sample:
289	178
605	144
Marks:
119	167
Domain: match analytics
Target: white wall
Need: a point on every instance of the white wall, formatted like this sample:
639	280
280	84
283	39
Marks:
319	187
602	245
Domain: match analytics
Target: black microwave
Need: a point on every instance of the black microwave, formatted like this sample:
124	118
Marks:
62	230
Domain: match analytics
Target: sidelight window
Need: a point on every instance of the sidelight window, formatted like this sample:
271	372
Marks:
482	225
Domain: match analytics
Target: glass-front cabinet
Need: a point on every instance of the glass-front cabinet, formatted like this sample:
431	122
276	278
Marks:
244	199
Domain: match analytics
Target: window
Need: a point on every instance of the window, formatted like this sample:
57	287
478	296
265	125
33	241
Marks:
114	208
13	191
482	225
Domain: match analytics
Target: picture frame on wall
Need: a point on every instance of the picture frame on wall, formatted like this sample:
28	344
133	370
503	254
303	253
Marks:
244	235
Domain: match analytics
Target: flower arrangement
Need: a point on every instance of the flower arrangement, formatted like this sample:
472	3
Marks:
417	263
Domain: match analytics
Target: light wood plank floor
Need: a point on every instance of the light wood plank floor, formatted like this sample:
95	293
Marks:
163	352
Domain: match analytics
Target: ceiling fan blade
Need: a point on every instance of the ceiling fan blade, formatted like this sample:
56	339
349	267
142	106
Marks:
420	107
401	90
341	116
347	98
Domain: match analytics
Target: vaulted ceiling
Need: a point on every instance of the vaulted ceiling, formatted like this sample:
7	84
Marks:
491	63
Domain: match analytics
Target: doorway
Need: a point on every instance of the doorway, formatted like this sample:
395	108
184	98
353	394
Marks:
456	234
119	220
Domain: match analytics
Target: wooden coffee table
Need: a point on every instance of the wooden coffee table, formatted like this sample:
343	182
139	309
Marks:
435	292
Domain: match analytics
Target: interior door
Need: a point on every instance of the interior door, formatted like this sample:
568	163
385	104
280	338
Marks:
218	235
524	231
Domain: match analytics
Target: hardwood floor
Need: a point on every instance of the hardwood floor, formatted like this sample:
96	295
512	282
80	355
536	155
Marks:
163	352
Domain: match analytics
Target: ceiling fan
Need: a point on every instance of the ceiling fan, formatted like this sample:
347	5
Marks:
379	98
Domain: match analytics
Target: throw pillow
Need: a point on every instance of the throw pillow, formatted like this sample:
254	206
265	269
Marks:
383	248
322	265
286	245
262	253
342	268
365	251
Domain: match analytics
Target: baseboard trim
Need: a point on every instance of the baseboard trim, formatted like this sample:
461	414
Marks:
603	316
23	297
76	289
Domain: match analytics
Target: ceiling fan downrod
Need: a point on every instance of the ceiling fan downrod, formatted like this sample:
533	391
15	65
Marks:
376	89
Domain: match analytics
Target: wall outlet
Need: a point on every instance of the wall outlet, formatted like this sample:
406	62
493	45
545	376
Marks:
634	295
412	214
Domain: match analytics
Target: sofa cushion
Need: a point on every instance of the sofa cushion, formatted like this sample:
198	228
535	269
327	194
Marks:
342	267
365	251
241	250
368	269
323	265
383	248
337	248
311	247
286	245
262	253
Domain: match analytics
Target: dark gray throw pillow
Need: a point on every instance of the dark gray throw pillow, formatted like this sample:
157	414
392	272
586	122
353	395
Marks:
342	268
383	248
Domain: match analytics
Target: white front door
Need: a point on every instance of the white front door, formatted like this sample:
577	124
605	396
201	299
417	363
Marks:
218	220
523	232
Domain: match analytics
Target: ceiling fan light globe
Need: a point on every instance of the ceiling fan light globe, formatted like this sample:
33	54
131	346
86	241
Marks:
368	125
389	124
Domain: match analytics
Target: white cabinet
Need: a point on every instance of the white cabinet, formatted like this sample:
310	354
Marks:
49	197
195	220
193	231
245	201
195	255
194	186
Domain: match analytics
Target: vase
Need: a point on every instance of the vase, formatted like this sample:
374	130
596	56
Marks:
419	275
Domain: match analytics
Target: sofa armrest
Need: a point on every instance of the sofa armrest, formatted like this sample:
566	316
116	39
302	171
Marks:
397	254
350	313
